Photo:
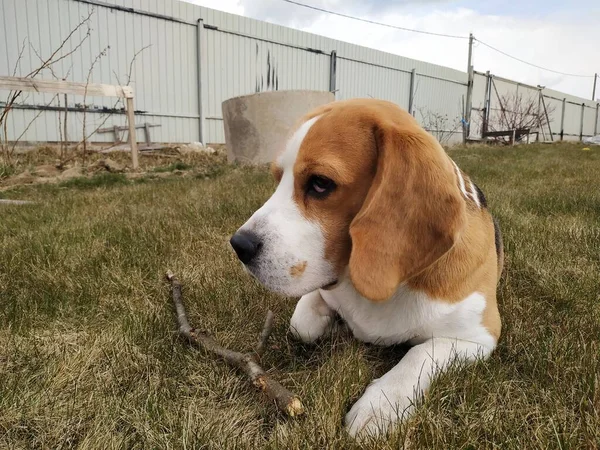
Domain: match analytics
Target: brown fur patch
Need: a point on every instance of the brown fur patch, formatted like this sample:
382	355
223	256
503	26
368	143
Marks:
298	269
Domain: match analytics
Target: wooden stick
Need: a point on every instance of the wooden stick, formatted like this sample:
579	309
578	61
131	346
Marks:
15	202
286	401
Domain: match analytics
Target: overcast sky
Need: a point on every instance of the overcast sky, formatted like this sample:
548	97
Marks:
560	35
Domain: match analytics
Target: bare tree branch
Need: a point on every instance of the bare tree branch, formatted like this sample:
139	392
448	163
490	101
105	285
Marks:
438	124
516	112
16	141
285	400
50	60
87	83
18	61
132	62
54	57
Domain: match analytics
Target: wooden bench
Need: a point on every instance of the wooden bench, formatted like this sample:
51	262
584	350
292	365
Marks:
117	131
514	135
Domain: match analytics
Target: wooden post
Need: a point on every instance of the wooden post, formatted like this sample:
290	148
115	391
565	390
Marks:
132	139
547	117
147	133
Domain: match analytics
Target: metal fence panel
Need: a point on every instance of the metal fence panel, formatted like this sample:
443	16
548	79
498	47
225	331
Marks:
163	74
238	65
358	79
239	56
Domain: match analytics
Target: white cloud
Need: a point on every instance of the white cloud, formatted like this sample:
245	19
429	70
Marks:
567	45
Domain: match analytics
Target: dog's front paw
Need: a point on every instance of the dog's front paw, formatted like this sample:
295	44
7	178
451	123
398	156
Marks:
309	327
311	319
377	410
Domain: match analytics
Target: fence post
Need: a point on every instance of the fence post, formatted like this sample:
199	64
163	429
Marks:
332	71
411	94
199	65
596	123
486	103
562	119
468	105
581	122
132	135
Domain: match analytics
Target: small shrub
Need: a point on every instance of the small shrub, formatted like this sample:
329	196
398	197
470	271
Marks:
102	180
179	165
6	171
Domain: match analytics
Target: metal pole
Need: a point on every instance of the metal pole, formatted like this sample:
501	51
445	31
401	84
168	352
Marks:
539	115
411	94
581	122
594	88
596	123
562	119
468	106
486	107
332	71
547	117
199	41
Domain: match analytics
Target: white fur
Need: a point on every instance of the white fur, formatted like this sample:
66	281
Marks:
391	398
408	316
440	331
461	180
474	194
312	318
288	238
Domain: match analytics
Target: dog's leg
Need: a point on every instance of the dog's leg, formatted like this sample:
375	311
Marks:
312	318
389	399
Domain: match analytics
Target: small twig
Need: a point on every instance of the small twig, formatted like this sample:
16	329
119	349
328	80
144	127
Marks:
285	400
264	336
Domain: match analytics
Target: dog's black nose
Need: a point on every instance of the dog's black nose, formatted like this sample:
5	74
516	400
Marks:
246	245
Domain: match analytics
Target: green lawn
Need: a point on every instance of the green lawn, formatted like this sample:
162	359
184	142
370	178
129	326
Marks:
89	357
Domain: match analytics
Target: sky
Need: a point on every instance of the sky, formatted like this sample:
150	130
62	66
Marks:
558	35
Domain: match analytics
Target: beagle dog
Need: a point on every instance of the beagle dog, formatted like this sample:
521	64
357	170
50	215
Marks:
373	221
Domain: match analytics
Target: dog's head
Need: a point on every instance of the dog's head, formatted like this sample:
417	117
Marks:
361	187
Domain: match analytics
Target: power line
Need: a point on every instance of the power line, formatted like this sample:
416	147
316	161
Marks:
453	36
534	65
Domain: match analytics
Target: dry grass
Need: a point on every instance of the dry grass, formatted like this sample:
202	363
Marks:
46	165
88	357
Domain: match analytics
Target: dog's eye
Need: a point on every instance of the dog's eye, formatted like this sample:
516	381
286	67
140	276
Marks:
319	187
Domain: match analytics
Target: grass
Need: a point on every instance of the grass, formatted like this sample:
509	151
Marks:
89	359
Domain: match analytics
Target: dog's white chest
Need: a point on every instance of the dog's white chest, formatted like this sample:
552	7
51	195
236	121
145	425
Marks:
407	316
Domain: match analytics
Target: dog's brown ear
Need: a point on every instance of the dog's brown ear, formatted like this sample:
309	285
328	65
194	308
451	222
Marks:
412	215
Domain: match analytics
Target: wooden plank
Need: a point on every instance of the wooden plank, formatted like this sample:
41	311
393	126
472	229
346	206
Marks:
147	133
65	87
132	139
518	133
118	128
